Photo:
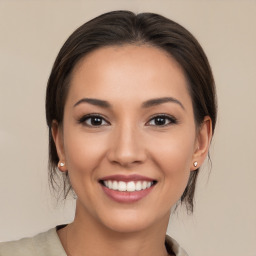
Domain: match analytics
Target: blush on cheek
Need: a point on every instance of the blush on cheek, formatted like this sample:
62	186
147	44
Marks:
84	149
175	164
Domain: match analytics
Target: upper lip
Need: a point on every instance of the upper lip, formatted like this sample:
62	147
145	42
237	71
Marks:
127	178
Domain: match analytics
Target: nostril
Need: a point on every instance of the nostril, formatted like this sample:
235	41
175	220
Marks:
127	146
126	157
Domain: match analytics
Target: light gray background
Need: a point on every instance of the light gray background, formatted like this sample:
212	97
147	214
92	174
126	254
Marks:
32	32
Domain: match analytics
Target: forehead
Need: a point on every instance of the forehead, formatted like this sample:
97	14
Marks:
128	72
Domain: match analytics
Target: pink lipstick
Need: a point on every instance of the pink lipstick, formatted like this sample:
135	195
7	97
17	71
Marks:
127	189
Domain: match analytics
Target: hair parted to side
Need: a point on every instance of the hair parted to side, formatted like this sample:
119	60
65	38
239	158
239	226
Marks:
124	27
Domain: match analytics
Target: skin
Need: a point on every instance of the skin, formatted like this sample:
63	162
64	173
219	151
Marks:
129	141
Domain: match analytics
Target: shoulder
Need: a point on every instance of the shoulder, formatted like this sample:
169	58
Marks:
46	243
172	246
21	247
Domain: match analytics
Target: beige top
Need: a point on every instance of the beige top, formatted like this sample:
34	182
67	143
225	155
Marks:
48	244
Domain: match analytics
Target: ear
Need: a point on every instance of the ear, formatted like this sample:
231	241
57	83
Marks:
57	134
202	143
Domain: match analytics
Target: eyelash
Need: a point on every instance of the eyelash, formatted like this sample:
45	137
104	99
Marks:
86	118
169	118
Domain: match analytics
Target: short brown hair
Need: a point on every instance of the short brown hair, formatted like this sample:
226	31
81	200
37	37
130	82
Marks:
124	27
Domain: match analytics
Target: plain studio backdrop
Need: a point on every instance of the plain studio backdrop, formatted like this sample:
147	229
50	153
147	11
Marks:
31	34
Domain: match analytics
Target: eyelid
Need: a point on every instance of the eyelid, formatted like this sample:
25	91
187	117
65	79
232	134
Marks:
171	118
83	119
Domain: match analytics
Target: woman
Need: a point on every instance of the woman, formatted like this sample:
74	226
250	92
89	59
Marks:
131	110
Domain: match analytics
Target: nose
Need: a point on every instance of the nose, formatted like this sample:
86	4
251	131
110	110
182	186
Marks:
127	147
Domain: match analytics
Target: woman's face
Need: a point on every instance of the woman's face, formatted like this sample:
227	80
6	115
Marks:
128	138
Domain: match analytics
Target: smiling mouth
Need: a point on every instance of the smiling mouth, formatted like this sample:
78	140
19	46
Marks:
130	186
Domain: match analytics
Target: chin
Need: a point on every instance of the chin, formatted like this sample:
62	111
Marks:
132	221
128	226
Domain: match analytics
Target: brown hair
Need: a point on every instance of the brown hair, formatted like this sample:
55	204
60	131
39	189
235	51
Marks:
124	27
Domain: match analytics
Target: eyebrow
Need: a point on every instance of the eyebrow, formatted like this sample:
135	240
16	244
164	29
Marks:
158	101
146	104
95	102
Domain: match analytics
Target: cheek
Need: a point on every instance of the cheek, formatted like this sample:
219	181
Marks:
173	155
83	152
175	150
174	161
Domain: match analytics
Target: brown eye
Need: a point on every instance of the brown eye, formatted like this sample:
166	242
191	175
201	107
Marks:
161	120
93	120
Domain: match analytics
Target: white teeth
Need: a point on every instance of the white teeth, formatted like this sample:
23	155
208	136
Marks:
130	186
138	186
114	185
110	184
121	186
144	185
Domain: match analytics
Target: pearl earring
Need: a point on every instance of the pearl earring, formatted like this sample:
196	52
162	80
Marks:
61	164
195	164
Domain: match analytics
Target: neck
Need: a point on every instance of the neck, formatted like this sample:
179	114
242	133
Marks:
85	236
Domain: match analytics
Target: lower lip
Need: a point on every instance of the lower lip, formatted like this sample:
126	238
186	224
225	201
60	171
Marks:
126	197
